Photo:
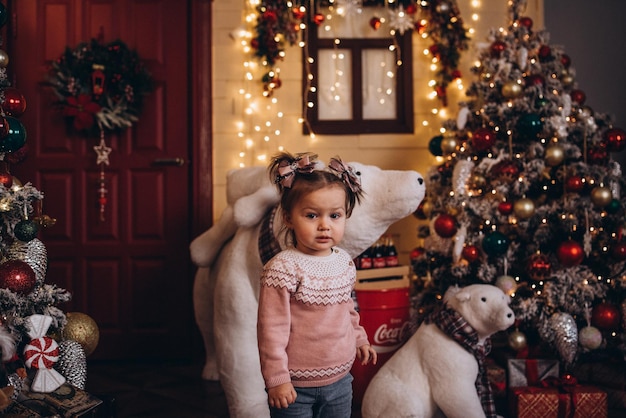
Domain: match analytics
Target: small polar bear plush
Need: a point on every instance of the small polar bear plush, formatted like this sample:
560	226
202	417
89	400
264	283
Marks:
439	370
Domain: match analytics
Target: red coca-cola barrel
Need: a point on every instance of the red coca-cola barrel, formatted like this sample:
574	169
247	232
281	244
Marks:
386	318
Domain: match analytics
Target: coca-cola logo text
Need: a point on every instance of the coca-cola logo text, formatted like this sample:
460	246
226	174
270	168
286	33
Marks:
386	335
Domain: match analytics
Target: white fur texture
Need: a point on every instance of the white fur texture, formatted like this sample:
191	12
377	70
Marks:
7	344
432	375
227	283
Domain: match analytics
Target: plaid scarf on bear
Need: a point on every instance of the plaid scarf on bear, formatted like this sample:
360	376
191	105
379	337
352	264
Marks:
457	328
268	244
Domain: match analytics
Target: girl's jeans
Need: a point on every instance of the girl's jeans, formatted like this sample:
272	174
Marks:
332	401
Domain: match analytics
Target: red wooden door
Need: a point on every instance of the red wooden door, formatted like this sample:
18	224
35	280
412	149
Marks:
130	272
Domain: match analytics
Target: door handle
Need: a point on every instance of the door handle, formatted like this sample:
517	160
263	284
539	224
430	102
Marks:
177	162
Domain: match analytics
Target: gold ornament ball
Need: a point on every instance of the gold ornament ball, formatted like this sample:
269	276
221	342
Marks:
4	59
601	196
517	340
511	90
554	155
507	284
448	145
83	329
524	208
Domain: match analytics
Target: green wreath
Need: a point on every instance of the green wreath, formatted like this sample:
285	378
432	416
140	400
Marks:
100	87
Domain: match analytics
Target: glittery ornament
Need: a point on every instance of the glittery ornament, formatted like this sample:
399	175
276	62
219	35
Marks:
506	171
578	96
482	139
496	48
82	328
470	253
565	335
34	254
538	267
517	340
17	276
590	337
26	230
460	175
574	184
72	363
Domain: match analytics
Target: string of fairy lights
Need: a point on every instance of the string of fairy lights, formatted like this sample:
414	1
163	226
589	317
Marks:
260	116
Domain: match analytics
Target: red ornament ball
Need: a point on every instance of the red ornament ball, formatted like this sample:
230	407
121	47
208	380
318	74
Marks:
416	253
526	22
497	48
470	253
17	276
535	80
482	139
375	23
578	96
597	155
505	208
615	139
544	52
318	19
605	316
570	253
618	251
445	225
506	171
14	102
566	60
574	184
6	179
298	13
538	267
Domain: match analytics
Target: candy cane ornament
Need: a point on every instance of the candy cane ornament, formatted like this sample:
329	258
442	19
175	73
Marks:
42	353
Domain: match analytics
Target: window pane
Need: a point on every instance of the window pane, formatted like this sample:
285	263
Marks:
334	89
379	84
353	25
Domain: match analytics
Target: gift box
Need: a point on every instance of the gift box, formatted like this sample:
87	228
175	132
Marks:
530	372
534	402
559	401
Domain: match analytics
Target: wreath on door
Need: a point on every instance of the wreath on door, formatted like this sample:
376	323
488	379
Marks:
100	87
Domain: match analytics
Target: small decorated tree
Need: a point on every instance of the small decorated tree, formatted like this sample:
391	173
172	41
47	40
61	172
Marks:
528	197
29	307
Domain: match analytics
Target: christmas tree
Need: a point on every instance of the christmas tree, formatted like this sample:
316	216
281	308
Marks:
29	307
528	198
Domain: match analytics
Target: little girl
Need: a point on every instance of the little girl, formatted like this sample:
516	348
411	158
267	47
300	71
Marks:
308	330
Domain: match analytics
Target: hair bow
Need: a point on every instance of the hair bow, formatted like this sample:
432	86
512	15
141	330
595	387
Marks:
287	169
347	174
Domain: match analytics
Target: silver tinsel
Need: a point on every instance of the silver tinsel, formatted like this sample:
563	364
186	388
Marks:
565	335
18	385
72	363
34	254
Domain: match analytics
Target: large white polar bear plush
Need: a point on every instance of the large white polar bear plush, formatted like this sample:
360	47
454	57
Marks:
432	375
226	286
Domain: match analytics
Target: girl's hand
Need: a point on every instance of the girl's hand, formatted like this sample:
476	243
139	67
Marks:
365	353
281	396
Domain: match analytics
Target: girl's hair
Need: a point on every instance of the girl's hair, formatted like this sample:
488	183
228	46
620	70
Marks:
296	176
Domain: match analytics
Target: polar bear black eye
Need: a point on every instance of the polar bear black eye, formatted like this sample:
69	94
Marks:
484	299
358	173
